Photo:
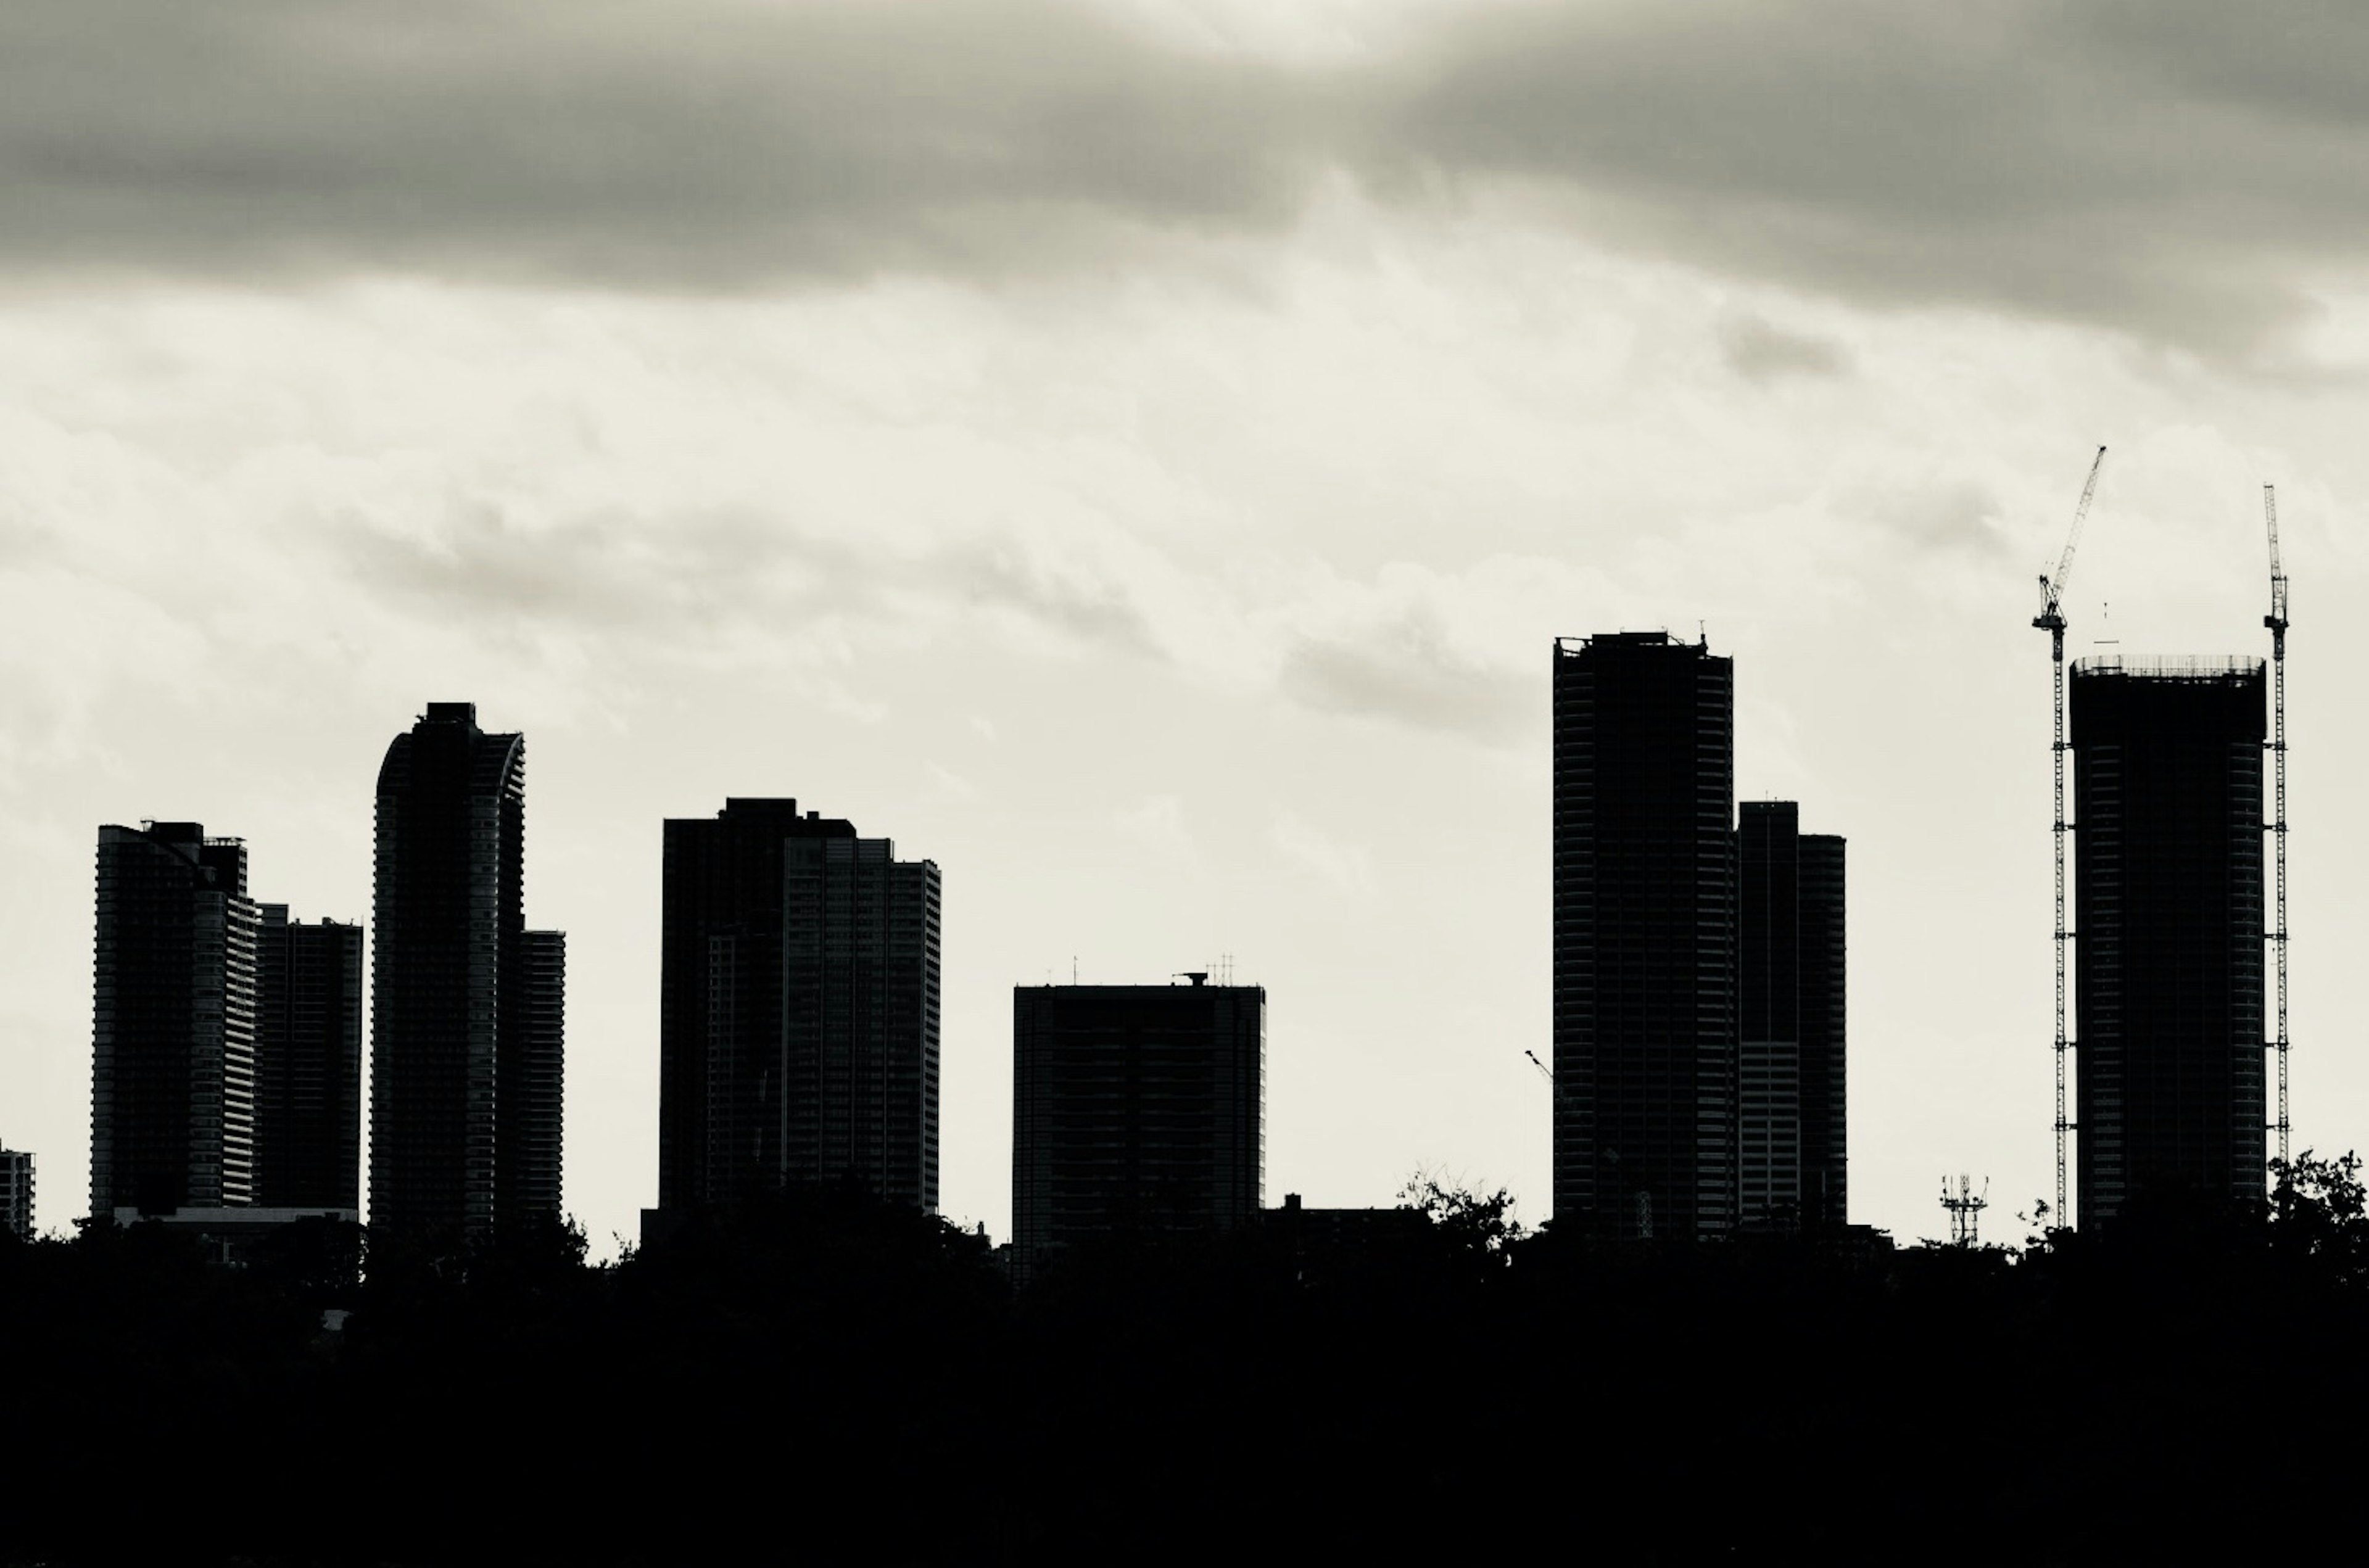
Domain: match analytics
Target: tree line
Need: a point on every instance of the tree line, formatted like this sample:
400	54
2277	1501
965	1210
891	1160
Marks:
811	1374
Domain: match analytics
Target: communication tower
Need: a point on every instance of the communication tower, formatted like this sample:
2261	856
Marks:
1965	1209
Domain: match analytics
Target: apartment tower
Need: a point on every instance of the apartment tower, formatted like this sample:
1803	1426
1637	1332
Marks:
798	1010
1791	1129
466	1054
173	1017
308	1049
1644	937
17	1193
1137	1112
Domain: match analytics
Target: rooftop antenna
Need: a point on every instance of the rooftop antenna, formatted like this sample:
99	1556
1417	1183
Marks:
2051	620
2277	622
1965	1209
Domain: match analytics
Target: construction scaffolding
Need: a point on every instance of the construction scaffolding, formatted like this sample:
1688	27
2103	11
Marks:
2277	622
2278	1121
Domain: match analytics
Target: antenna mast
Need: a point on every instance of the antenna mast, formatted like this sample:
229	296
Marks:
2277	622
2051	620
1965	1209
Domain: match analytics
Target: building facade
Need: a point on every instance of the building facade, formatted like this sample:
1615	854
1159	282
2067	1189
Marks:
1644	937
2168	908
173	1021
1825	1097
308	1050
454	1001
1792	1156
1136	1111
798	1010
17	1193
531	1165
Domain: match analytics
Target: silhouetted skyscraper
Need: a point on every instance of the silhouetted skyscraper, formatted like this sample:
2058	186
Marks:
1826	1101
798	1009
534	1079
172	1102
2168	909
308	1054
17	1193
464	1066
1135	1110
1644	936
1791	1129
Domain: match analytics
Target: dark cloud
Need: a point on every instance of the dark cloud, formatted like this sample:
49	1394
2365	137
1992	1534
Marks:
608	574
1957	517
706	144
1759	352
2175	170
687	578
1402	675
1081	606
2096	164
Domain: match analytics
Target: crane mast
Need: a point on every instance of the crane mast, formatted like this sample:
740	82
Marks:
2051	620
2277	622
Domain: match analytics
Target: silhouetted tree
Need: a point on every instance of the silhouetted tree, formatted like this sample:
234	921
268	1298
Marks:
1477	1222
2317	1213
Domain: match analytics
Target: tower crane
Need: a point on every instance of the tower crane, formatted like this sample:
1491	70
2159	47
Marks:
2051	620
2277	622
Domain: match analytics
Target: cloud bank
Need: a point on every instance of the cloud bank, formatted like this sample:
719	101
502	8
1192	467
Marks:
2169	171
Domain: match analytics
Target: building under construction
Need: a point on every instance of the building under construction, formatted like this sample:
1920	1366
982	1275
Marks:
2168	859
2169	924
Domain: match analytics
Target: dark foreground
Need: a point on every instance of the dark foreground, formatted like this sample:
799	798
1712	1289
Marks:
821	1379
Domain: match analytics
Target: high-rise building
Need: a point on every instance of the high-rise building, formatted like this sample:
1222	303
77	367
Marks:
2168	962
308	1057
1644	937
1825	1100
465	1055
1135	1111
1791	1139
17	1193
798	1010
534	1079
173	1018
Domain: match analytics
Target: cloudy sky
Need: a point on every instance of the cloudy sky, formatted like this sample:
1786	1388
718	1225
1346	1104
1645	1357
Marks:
1137	453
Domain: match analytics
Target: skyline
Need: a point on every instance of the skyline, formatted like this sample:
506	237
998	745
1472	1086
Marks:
1737	834
1167	552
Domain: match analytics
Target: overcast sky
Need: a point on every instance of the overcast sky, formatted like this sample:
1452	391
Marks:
1137	454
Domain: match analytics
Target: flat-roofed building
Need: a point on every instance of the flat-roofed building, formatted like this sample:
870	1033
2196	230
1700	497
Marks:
2167	916
1644	937
172	1116
308	1052
1790	1098
17	1193
798	1010
1137	1112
